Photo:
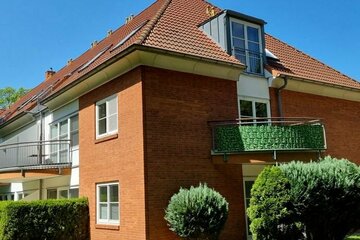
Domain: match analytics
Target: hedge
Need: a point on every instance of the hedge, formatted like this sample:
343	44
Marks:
45	219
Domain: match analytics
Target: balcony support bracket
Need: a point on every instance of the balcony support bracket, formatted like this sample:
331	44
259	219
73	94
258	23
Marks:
225	157
274	155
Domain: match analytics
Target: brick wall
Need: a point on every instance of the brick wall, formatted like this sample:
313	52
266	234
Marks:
177	107
341	118
119	159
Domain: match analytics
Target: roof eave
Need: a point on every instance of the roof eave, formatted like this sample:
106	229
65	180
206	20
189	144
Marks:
316	81
235	14
234	70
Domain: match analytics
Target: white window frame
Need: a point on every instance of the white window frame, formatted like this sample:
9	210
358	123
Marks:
247	179
253	100
59	189
107	132
107	221
68	133
258	27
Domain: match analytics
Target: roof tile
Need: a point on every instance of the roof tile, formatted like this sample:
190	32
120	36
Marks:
173	25
296	63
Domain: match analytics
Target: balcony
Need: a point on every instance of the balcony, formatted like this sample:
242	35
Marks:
268	135
35	155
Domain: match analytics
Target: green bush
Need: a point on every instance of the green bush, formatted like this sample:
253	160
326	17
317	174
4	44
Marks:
197	213
326	196
270	211
47	219
321	198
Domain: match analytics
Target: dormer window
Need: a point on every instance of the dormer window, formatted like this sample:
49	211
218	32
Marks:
246	45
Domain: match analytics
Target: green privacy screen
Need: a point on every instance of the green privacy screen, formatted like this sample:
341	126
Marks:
234	138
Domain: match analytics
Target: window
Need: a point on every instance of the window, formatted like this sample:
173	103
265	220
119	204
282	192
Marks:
253	109
73	192
22	195
62	193
51	194
247	46
106	117
247	195
7	197
107	203
64	130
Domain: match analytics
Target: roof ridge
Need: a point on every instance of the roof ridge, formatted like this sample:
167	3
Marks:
151	24
308	56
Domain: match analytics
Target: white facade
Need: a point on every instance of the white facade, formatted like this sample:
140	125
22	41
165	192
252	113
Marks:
42	187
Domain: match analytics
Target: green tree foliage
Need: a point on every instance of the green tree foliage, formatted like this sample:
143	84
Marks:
326	196
321	198
197	213
271	212
10	95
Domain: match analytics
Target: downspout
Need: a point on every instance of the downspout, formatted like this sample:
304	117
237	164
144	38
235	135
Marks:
279	98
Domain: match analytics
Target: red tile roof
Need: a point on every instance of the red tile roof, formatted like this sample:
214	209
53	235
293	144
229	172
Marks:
178	30
172	25
298	64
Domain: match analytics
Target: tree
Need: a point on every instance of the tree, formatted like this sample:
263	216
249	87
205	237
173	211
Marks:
198	213
321	198
10	95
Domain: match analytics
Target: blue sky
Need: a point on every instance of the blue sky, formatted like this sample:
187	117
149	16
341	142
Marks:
36	35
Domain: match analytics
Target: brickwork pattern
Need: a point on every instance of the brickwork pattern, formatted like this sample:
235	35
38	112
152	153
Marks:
117	159
341	119
178	142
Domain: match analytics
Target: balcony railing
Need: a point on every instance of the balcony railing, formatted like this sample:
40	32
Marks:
39	154
268	134
252	59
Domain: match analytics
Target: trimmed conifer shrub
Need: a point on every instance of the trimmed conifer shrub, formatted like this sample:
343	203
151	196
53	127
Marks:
271	211
325	196
197	213
317	200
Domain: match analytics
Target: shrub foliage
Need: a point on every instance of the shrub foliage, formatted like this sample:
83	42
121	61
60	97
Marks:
321	199
46	219
197	213
270	211
326	196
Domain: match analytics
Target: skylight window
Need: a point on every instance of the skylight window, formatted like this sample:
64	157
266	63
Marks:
129	35
94	58
28	101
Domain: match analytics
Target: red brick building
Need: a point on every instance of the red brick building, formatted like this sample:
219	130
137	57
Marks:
183	93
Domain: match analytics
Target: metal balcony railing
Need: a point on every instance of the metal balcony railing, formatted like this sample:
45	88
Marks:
268	134
39	154
252	59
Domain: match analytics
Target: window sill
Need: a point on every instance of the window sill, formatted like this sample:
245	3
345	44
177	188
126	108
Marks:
106	138
108	227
